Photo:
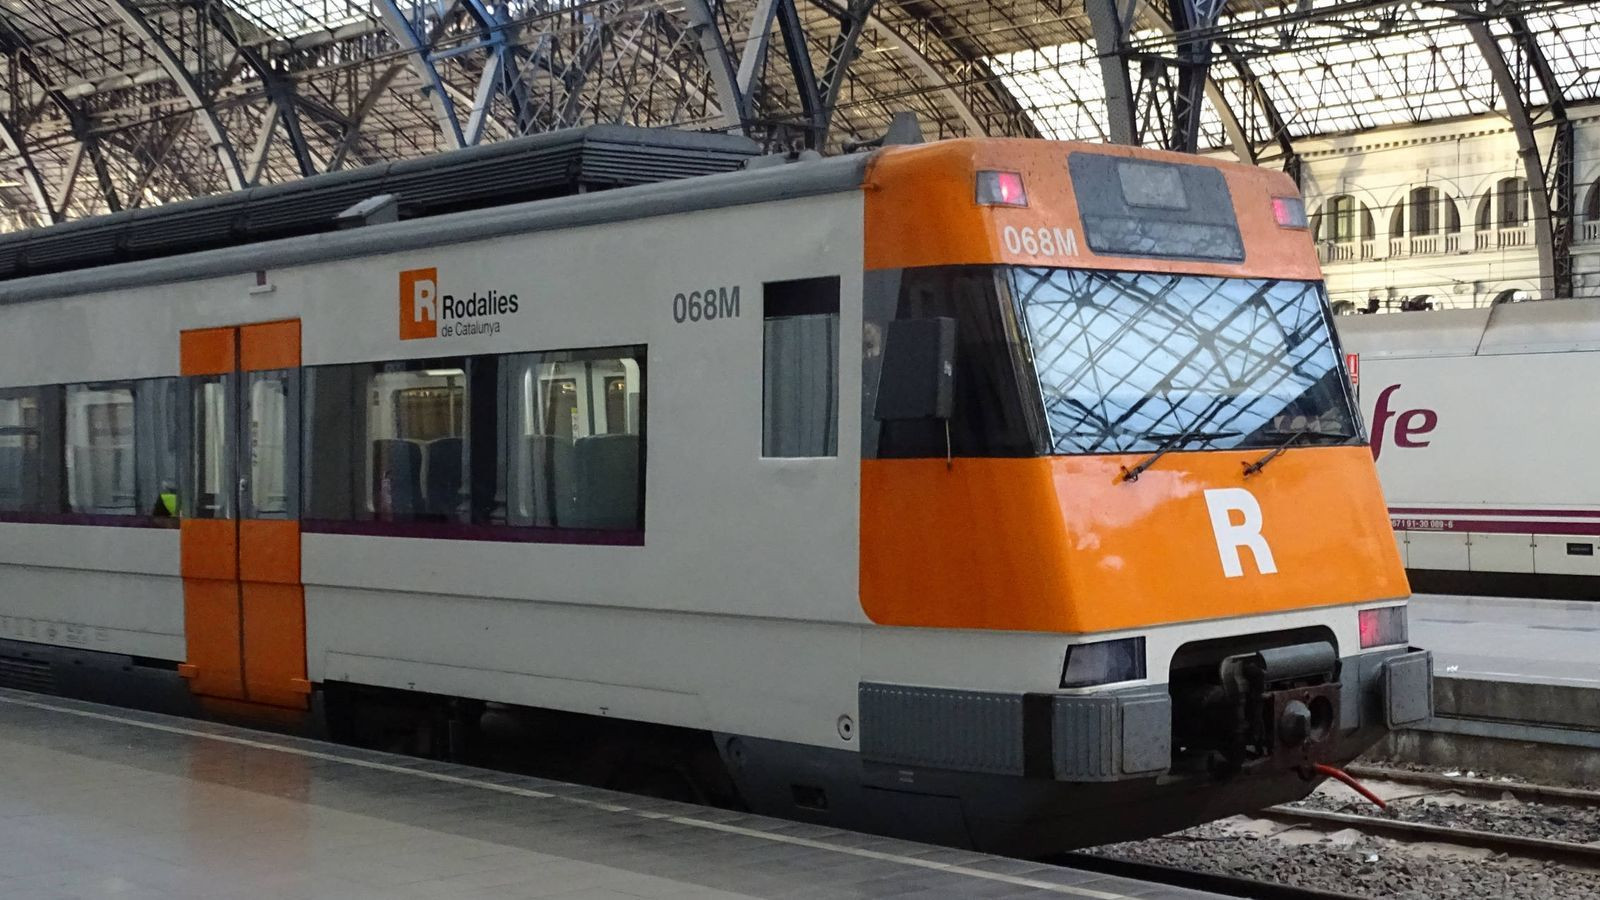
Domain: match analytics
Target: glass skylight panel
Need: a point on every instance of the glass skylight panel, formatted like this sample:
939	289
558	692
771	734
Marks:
291	18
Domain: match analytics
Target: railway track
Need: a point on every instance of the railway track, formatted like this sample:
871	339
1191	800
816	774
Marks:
1226	885
1391	826
1487	788
1564	852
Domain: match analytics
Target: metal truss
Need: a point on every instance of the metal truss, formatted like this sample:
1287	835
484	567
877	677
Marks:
116	104
1520	67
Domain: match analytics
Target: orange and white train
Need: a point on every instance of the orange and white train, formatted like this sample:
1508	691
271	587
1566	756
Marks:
1001	493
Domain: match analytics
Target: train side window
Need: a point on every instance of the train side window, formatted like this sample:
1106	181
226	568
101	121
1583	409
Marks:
272	422
22	424
208	485
388	441
100	450
573	431
120	454
800	368
157	403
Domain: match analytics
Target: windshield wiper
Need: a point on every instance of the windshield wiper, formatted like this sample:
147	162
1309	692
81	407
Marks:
1258	465
1170	442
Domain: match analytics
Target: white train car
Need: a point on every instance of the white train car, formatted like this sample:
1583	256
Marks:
1003	493
1480	428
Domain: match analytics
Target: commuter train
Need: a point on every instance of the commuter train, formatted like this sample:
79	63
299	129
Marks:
1481	452
999	493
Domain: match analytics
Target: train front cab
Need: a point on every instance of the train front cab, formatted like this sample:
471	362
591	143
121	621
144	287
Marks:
1103	400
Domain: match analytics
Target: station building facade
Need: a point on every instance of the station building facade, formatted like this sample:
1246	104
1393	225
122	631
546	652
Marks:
1438	216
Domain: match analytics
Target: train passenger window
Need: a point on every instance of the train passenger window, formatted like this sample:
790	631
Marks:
157	404
800	368
388	441
573	426
208	489
21	448
272	422
536	440
100	450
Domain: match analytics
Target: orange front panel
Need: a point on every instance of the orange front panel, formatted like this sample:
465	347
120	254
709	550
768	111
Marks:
269	551
207	351
275	643
211	629
209	548
1062	544
921	210
270	345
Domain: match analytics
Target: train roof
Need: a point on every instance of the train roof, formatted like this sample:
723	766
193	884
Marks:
729	188
561	163
1541	326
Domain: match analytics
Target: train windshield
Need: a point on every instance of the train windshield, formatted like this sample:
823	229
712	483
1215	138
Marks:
1131	362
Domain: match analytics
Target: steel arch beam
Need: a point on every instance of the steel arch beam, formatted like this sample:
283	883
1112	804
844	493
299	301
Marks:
280	91
840	56
1133	107
17	143
78	120
417	51
714	51
1552	203
203	109
919	60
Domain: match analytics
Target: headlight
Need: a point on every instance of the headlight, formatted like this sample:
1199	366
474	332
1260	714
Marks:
1381	627
1103	662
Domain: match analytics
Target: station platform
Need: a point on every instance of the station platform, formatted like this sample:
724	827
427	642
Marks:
1516	688
97	801
1505	639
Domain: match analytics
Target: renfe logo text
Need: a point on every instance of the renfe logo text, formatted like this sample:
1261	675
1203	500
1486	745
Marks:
427	313
1409	424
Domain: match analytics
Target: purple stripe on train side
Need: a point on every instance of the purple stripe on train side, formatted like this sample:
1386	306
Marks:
95	519
1486	526
1427	512
458	531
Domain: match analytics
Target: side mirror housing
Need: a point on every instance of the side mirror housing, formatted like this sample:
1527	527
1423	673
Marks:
918	375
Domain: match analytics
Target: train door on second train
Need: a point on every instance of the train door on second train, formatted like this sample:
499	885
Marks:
244	604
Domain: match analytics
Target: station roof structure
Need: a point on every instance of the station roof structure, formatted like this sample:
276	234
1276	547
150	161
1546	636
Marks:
119	104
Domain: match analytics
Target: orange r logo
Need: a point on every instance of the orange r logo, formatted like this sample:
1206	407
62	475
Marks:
419	304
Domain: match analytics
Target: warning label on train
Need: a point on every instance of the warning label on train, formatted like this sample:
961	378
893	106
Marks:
428	312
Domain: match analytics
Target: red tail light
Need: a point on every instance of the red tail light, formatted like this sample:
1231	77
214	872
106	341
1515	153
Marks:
1289	212
1382	627
1001	189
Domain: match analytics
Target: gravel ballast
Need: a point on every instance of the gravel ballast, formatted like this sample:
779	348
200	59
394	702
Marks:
1352	862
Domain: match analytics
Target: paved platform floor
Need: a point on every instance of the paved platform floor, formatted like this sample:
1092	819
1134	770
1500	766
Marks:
102	802
1554	641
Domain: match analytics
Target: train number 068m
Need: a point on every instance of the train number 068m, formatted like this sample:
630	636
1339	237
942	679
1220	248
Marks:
1039	241
706	305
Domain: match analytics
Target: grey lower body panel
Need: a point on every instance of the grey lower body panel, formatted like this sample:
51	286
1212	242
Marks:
1034	774
110	678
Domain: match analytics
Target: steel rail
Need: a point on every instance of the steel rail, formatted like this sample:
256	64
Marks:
1211	882
1587	855
1488	788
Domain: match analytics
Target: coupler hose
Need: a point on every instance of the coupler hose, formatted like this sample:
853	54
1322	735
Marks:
1348	779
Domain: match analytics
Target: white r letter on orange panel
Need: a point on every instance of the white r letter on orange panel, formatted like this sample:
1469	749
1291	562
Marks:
1222	504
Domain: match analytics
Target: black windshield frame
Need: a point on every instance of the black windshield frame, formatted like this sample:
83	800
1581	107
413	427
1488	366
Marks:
1130	362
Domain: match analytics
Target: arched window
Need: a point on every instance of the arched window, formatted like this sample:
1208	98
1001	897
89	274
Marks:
1512	295
1347	220
1591	206
1511	195
1432	212
1416	304
1485	216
